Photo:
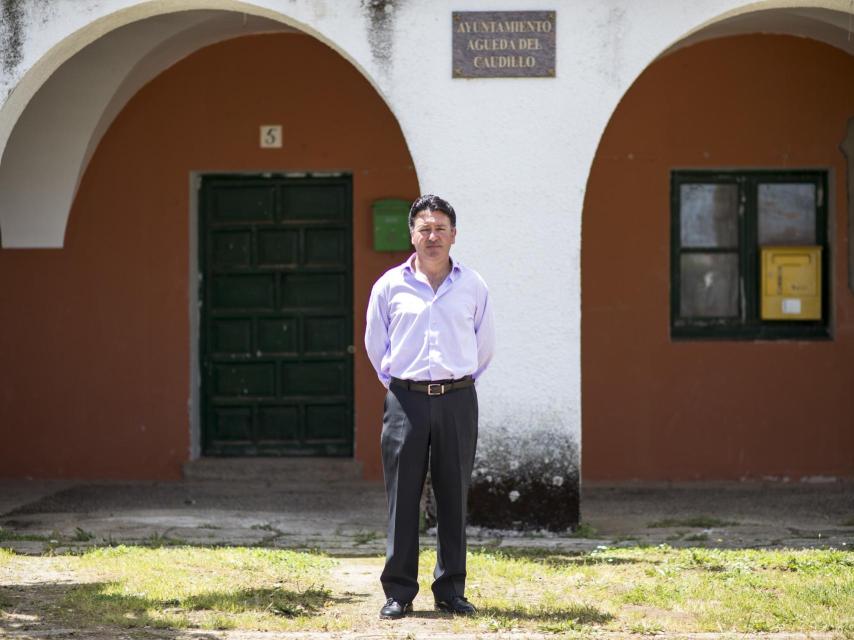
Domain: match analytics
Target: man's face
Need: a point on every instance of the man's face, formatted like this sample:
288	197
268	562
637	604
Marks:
433	235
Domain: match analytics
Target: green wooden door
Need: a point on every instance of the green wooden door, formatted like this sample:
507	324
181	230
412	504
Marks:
276	316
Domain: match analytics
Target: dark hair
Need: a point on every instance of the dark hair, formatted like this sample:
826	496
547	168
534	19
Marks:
429	202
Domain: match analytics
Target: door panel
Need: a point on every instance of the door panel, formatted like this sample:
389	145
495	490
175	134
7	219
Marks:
314	202
243	203
278	248
276	294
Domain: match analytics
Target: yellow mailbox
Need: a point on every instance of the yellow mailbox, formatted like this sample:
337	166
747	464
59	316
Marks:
791	283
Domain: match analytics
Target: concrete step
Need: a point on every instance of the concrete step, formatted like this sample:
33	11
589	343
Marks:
294	471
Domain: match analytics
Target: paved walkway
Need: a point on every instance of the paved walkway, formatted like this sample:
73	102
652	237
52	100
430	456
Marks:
347	518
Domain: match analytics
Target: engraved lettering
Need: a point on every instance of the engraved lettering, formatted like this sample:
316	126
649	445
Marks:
529	44
505	62
509	26
488	44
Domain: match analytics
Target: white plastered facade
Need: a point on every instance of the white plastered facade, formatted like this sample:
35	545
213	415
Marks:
512	155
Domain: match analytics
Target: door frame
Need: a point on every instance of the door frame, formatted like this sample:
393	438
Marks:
194	284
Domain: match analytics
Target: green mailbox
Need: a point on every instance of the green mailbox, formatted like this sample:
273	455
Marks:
391	225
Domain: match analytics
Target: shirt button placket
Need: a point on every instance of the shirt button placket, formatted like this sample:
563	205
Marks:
431	339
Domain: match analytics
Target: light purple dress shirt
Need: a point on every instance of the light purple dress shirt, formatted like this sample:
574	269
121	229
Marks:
415	334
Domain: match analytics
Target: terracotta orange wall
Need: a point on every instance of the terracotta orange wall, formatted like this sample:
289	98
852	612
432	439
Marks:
95	338
655	409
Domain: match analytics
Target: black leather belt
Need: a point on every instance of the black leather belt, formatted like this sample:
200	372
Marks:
436	388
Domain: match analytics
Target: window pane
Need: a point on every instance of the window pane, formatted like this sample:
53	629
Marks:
709	215
786	214
709	285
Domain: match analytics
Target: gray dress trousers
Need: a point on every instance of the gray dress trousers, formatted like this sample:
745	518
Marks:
443	429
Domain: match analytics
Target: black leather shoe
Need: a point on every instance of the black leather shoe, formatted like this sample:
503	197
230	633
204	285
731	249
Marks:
394	609
457	605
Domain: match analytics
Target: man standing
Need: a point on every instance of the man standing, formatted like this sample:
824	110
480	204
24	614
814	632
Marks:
429	336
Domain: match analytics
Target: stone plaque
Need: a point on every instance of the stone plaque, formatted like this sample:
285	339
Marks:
503	44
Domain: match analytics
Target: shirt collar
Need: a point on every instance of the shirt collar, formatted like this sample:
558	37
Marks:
456	267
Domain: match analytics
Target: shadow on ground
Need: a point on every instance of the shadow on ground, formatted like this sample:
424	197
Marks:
580	614
45	606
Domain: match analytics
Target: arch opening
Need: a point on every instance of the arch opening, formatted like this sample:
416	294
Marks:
763	93
118	304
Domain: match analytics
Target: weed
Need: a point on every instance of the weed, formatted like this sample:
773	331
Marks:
81	535
583	530
706	559
500	623
208	525
157	540
269	540
646	628
561	626
365	537
221	623
7	535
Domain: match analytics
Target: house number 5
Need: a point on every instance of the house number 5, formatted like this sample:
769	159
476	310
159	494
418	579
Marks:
271	136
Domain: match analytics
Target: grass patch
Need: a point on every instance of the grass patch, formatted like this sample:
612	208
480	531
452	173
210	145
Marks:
662	589
182	587
640	590
705	522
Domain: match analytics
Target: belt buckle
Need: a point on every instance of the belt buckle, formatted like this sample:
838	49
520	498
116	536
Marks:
440	389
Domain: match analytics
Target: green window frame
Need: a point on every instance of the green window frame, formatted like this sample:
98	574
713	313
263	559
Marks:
716	243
